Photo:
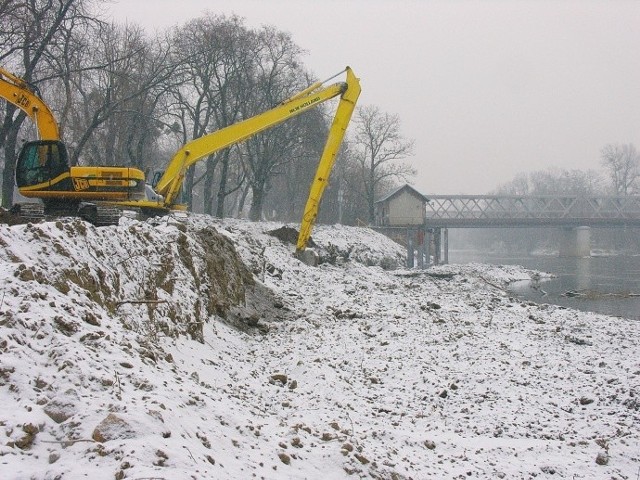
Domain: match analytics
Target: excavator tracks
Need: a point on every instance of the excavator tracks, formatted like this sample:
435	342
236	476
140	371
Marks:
106	216
98	215
28	212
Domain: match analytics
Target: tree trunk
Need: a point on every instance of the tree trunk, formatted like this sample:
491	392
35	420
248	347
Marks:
9	170
242	200
209	181
371	200
187	187
222	187
11	128
255	213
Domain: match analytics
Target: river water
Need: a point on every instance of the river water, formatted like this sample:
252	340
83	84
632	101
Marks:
601	284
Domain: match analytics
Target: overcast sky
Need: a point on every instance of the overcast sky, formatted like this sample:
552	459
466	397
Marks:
487	89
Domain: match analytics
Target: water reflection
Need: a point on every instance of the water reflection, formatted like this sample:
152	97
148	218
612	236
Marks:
583	273
609	285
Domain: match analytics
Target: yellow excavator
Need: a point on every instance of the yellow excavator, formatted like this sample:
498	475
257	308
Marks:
168	187
92	185
43	171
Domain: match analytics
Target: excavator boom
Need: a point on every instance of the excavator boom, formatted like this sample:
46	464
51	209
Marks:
170	183
18	92
328	158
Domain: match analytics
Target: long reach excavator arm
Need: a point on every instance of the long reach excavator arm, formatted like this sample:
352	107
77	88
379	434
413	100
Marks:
169	185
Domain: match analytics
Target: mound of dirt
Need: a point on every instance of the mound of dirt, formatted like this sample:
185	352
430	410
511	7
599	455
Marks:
289	235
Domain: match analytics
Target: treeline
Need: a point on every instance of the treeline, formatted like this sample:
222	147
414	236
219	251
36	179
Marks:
123	96
620	176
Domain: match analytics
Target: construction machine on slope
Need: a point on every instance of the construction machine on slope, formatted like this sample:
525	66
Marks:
43	171
81	186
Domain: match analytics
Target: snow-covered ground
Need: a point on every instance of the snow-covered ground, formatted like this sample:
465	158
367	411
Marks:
123	355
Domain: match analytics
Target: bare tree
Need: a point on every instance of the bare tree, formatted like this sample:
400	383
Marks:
279	74
378	146
623	165
196	49
121	87
217	54
344	201
30	30
232	79
11	34
291	180
554	181
98	78
518	186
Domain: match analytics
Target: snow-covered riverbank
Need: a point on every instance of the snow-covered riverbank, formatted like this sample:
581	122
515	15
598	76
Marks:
116	362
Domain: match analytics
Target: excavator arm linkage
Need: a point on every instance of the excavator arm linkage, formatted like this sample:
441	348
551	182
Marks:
171	181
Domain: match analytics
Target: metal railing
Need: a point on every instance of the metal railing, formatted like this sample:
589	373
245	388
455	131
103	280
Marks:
496	210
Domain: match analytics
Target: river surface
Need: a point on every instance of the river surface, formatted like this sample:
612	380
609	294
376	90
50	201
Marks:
601	284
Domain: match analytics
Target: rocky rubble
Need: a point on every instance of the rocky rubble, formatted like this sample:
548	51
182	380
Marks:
202	349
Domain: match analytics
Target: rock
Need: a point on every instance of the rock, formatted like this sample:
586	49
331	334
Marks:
586	401
25	442
308	257
285	234
5	373
162	458
602	459
112	428
430	444
65	326
54	457
60	409
284	458
278	378
91	319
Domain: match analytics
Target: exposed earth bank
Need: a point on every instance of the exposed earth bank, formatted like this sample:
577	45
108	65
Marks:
202	349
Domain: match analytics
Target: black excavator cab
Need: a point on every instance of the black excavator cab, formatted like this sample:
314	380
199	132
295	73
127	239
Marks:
40	162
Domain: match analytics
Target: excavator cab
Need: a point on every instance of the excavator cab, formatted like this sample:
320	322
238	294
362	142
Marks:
40	162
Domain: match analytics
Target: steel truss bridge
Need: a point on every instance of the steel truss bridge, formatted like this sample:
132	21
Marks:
482	211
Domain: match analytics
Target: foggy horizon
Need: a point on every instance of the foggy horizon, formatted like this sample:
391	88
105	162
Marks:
487	89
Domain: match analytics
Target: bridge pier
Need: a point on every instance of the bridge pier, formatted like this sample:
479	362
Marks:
575	242
437	244
445	244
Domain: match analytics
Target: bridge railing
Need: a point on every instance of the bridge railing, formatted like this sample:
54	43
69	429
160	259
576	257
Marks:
533	208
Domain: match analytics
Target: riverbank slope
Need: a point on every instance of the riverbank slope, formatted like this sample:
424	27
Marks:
203	349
